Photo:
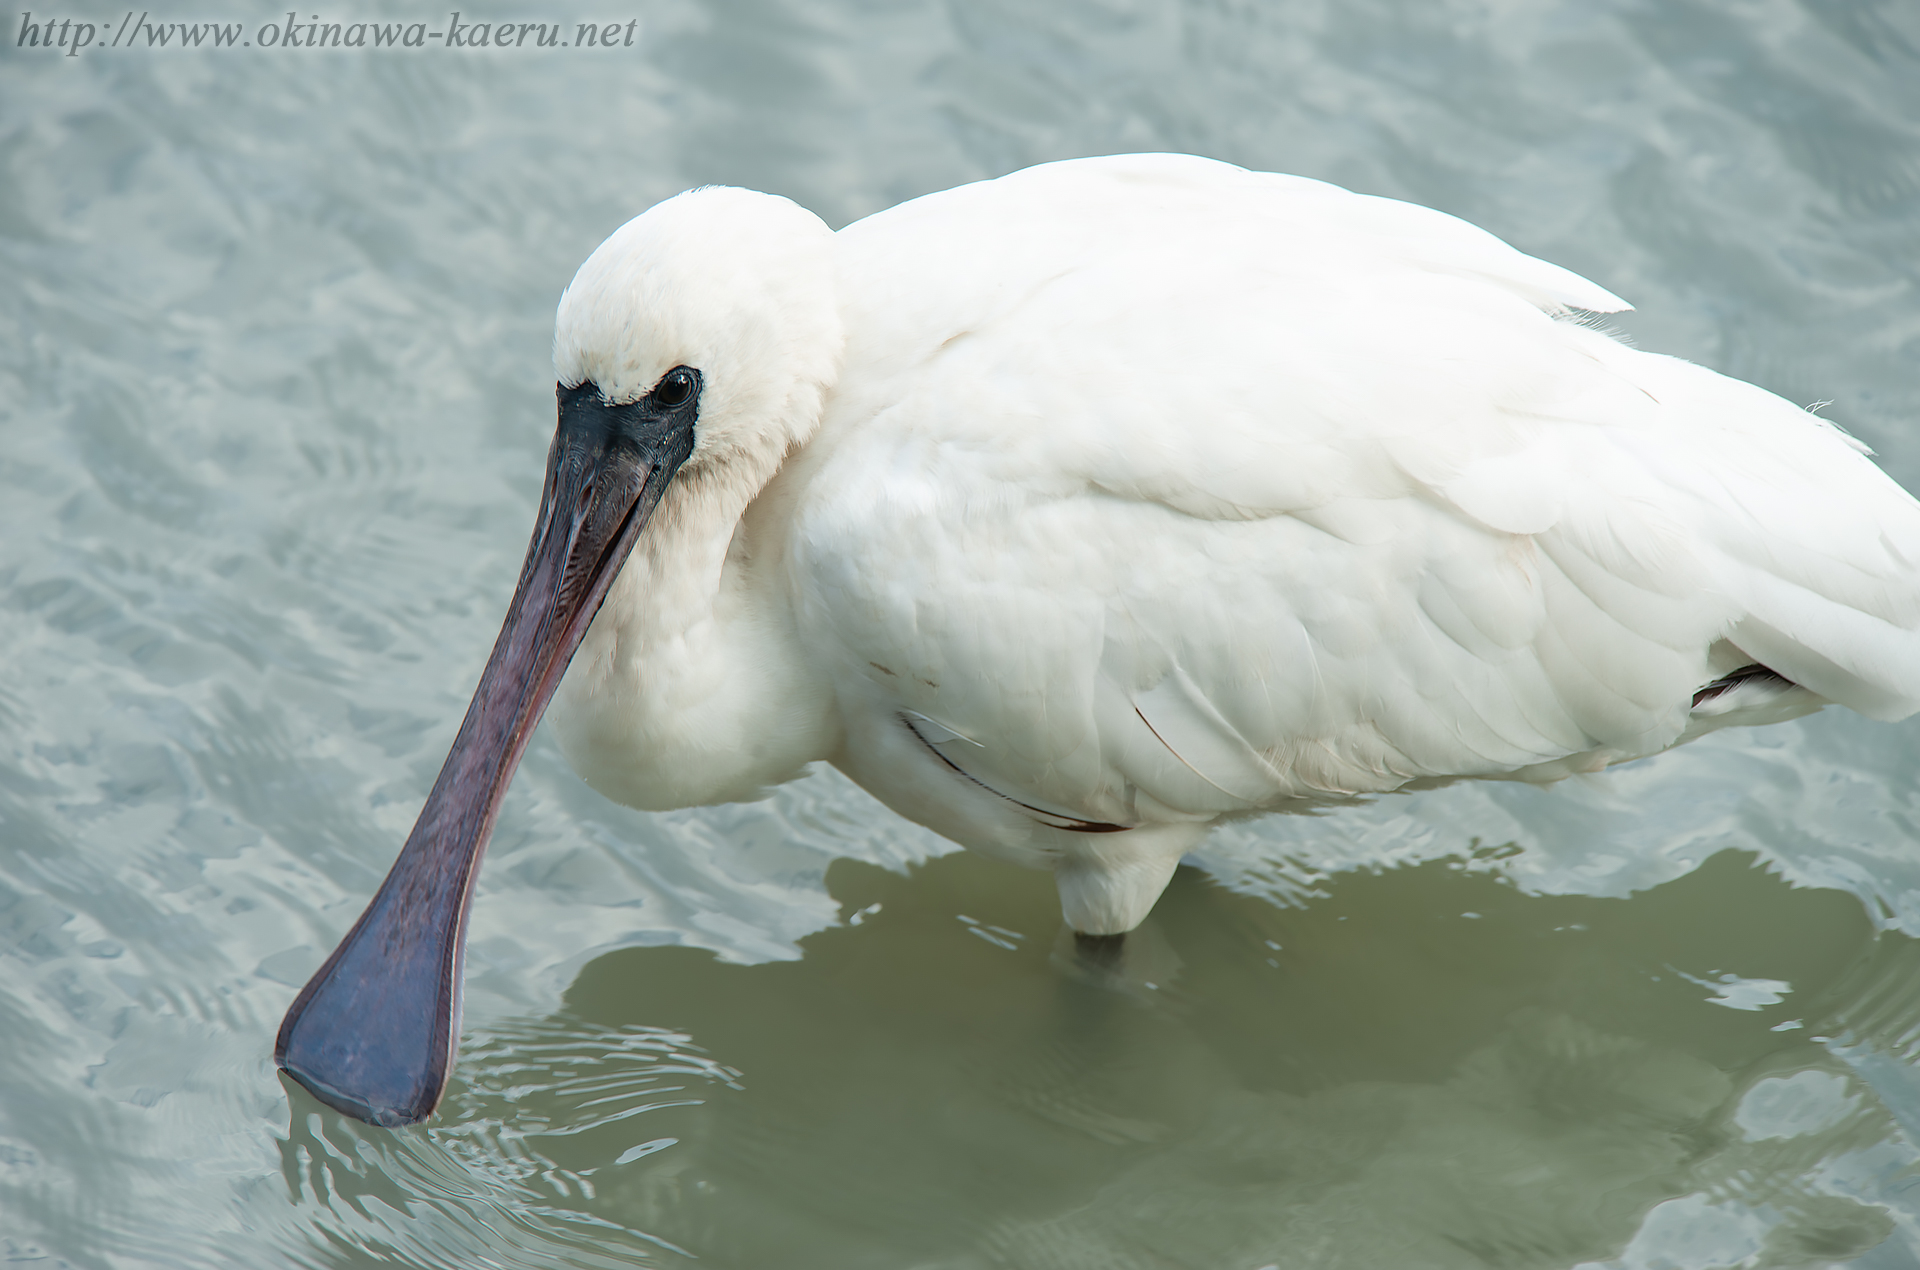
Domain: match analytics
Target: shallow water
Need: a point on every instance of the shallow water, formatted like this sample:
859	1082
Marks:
274	394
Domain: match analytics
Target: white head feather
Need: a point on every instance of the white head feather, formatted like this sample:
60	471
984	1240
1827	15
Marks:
735	284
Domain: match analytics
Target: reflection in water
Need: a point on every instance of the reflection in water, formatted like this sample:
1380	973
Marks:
1426	1067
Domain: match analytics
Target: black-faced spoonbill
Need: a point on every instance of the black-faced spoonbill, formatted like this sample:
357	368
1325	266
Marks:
1070	512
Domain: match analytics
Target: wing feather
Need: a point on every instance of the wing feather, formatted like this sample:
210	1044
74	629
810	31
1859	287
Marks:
1192	526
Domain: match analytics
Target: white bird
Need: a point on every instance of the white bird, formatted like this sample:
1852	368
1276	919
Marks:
1070	512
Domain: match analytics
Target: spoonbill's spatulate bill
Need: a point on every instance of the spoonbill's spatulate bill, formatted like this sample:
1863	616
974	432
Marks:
1070	512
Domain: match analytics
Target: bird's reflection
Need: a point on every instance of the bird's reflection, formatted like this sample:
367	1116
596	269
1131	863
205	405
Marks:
1425	1066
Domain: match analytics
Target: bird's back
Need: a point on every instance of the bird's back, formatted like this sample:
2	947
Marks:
1157	490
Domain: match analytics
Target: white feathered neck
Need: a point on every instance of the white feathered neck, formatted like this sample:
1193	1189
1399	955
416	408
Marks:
666	703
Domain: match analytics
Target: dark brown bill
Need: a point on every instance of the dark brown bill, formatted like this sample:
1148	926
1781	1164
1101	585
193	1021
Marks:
373	1033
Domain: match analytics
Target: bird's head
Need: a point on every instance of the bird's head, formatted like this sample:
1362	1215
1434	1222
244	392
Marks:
733	286
695	345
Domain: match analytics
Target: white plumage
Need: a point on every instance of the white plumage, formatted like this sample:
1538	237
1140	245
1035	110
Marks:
1072	511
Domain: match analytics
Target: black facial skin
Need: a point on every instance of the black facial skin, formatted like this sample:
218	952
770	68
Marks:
373	1033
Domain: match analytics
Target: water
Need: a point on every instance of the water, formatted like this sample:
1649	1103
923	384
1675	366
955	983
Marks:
274	393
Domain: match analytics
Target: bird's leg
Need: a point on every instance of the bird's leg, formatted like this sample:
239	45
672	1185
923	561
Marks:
1101	951
1139	963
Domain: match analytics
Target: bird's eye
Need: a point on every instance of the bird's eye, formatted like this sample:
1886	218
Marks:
674	388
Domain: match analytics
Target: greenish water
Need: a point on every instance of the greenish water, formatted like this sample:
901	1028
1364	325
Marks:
274	393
